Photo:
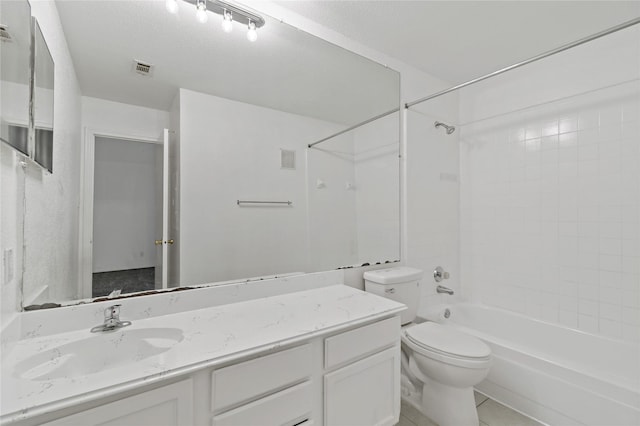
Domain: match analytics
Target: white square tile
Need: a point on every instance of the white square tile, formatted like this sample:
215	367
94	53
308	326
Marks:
631	298
610	132
611	114
610	263
568	125
610	213
588	307
588	291
612	246
588	119
631	265
610	279
610	295
631	111
589	136
568	318
631	316
588	323
631	130
610	312
610	328
631	333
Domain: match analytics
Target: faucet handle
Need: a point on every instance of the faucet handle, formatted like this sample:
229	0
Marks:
112	312
440	274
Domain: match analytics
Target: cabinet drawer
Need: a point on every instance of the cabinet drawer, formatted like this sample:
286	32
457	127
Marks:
361	341
288	407
253	379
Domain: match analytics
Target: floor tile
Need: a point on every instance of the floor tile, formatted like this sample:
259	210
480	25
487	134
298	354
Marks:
480	398
410	412
493	413
405	421
414	415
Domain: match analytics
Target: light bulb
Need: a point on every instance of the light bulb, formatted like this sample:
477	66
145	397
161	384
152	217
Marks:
201	13
252	34
227	22
172	6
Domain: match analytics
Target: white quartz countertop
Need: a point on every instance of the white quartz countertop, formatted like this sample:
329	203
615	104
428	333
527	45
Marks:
209	337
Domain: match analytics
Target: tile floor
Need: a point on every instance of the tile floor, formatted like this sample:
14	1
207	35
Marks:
490	412
128	281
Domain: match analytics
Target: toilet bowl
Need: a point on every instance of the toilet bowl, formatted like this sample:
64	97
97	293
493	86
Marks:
448	364
440	363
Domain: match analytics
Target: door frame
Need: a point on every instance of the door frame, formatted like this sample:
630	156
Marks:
87	174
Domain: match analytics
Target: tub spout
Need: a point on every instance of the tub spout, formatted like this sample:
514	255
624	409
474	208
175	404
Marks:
443	289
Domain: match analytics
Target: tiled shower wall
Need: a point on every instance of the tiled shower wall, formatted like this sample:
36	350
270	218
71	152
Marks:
550	216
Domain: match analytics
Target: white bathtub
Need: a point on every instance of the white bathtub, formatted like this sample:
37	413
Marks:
554	374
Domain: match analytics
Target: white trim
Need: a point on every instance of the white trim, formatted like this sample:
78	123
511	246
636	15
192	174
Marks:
85	243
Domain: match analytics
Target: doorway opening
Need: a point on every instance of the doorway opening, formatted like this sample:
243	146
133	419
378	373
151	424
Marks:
127	206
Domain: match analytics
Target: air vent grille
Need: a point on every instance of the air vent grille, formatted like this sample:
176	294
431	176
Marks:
142	68
4	34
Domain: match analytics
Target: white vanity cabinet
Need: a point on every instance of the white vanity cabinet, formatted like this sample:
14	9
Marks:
170	405
341	378
364	387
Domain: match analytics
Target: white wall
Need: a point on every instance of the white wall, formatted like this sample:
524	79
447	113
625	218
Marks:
332	216
230	151
124	204
51	205
551	192
116	118
376	187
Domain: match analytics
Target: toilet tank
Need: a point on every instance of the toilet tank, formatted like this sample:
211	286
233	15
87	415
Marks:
401	284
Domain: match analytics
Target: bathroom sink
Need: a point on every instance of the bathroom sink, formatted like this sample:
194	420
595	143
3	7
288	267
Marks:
98	353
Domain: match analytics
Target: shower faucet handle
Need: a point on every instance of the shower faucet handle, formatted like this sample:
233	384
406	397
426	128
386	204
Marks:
440	274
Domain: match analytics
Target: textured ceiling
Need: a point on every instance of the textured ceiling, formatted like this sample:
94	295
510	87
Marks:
460	40
286	69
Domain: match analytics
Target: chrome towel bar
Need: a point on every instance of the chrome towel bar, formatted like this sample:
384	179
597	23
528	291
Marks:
288	203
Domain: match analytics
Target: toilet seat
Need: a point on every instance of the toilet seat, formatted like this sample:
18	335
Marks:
447	345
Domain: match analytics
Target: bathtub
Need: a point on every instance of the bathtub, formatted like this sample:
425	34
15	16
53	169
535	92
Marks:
554	374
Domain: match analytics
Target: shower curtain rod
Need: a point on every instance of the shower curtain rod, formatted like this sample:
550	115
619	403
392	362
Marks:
546	54
355	126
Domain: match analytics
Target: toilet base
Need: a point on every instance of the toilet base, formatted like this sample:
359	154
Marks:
449	406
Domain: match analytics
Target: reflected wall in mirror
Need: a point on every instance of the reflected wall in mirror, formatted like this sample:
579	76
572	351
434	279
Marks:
227	123
43	75
15	18
15	72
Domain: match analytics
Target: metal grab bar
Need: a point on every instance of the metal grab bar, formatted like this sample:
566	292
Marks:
288	203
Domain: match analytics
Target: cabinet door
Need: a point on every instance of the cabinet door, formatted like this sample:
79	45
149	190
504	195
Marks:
365	393
170	405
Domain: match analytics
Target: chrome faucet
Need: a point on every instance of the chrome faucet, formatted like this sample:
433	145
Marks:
111	320
443	289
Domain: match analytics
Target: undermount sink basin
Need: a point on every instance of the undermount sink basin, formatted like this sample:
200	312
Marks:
98	353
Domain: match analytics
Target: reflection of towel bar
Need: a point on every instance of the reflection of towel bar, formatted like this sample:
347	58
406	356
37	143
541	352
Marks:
288	203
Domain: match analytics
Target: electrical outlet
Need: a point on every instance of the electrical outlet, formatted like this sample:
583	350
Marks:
7	263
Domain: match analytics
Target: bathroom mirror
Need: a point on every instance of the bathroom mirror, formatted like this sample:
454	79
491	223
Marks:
232	190
15	71
43	75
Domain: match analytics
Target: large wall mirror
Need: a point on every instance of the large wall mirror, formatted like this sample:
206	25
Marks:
196	165
15	73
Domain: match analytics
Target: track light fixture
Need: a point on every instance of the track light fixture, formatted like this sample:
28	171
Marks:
201	11
230	13
227	21
252	34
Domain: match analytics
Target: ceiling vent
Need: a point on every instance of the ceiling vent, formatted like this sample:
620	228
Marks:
142	68
4	33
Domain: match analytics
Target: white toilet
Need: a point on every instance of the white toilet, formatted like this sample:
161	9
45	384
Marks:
444	364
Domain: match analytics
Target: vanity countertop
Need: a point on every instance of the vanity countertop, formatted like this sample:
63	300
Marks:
209	337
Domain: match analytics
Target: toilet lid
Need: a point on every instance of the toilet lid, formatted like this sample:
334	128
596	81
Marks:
433	336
